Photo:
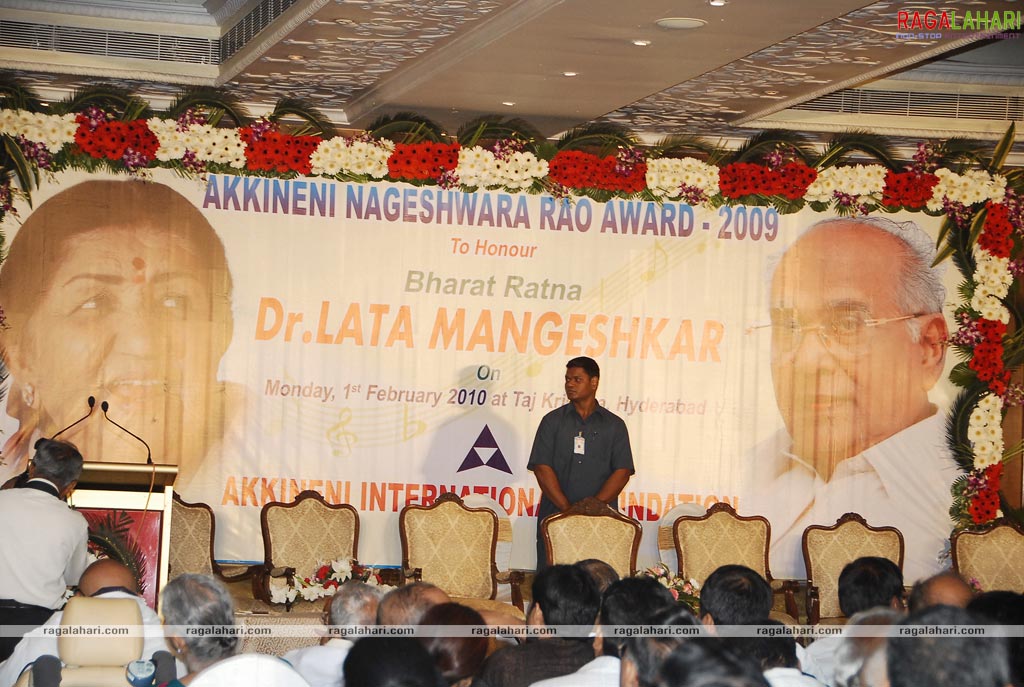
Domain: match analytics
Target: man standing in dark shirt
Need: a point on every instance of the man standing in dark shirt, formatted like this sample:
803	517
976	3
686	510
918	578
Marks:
581	449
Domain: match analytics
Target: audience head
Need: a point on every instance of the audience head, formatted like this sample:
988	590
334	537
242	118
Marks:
868	582
390	662
406	605
643	656
945	589
708	663
195	600
631	601
855	647
353	603
777	650
929	660
57	461
735	595
602	573
564	595
457	658
105	574
1005	608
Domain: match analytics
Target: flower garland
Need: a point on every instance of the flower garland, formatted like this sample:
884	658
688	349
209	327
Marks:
325	580
984	227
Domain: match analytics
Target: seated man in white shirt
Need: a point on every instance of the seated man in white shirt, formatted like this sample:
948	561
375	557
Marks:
632	601
354	603
104	579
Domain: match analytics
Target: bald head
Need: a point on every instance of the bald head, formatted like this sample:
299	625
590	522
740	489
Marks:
407	604
106	572
944	589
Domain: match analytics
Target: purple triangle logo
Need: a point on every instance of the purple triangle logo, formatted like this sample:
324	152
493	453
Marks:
485	451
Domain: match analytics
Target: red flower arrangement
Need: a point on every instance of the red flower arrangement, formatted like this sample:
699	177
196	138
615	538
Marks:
987	361
579	169
984	504
997	232
907	189
422	160
114	140
742	179
274	151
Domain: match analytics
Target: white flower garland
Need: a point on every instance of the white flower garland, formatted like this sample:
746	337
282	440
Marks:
352	156
666	177
482	168
985	431
863	182
972	187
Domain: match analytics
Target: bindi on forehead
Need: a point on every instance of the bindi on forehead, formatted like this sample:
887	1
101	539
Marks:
140	270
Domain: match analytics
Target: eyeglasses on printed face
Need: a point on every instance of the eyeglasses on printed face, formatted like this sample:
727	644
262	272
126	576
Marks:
846	332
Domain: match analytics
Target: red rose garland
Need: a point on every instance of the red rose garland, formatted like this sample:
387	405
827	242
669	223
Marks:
984	505
274	151
908	189
747	179
578	169
997	232
113	140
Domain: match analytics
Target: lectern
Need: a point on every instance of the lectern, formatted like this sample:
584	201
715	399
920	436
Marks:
128	506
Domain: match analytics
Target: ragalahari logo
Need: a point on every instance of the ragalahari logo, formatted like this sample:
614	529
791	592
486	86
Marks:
485	451
951	20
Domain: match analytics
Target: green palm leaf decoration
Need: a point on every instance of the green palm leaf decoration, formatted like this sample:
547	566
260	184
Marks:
841	146
218	102
118	101
406	127
762	143
681	145
109	532
314	123
15	169
490	128
959	153
15	95
604	136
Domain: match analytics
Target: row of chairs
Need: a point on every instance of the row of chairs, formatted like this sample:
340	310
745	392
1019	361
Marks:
453	544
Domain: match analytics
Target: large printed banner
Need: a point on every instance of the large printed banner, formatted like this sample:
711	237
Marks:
385	343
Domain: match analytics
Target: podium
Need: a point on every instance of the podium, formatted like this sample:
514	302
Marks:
128	506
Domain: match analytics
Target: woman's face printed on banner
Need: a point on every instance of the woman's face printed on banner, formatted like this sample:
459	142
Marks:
130	313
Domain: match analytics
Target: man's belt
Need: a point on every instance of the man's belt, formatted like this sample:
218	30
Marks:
17	605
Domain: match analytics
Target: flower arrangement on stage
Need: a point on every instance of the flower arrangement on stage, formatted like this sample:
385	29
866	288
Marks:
325	580
684	591
205	131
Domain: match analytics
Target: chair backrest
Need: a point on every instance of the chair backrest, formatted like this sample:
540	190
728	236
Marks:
454	546
592	529
827	550
503	548
993	555
666	534
99	659
308	531
192	532
721	537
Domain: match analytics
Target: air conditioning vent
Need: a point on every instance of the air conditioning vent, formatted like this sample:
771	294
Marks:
906	104
127	44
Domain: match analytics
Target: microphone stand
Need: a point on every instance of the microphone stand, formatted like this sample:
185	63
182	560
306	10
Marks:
149	453
92	406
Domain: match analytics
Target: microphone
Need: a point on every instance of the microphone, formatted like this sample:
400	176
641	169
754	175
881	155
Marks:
92	405
149	453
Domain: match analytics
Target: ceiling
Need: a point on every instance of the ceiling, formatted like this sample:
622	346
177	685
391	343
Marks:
815	65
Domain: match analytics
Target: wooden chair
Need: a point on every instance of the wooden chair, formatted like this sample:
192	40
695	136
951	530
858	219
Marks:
592	529
298	536
992	554
827	550
720	537
453	546
193	527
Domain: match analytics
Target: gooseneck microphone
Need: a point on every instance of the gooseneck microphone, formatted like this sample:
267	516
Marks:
92	406
149	453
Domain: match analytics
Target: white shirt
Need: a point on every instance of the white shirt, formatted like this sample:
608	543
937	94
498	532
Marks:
603	671
43	548
249	670
822	653
321	665
903	481
789	677
31	648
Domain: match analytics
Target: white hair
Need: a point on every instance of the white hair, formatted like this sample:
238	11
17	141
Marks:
854	651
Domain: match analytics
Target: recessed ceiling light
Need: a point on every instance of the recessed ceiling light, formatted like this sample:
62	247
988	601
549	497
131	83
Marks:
641	42
771	92
718	3
295	57
570	73
508	103
680	23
